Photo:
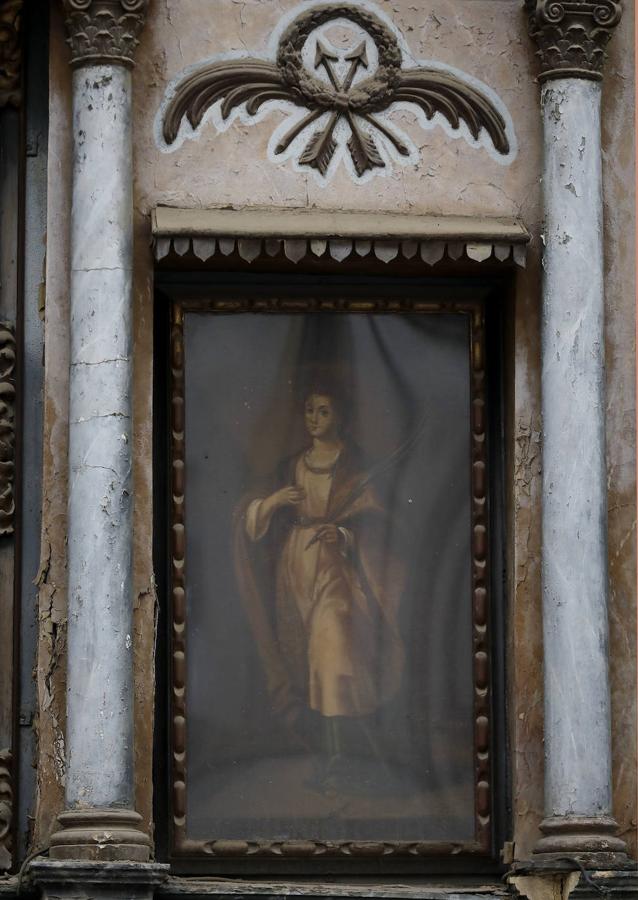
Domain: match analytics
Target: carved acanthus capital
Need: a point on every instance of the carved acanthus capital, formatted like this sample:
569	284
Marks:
571	35
104	31
10	52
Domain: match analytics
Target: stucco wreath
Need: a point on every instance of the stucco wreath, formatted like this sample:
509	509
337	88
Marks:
369	95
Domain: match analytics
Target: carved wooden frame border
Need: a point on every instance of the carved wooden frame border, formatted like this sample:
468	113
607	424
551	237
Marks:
232	851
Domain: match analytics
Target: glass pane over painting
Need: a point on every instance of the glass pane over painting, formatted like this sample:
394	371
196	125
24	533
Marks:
330	692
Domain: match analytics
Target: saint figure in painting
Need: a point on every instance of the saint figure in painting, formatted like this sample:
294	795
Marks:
321	589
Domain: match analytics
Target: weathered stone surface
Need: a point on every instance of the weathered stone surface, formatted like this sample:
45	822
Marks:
86	880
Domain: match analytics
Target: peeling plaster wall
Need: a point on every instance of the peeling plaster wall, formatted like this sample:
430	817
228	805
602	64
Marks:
487	39
52	576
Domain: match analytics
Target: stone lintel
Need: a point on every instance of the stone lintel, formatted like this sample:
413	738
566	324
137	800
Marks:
571	35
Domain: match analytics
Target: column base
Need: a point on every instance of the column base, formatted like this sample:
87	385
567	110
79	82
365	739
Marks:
592	840
86	880
101	835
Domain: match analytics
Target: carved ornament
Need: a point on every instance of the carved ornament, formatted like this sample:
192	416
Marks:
572	35
6	809
338	86
7	427
10	52
104	31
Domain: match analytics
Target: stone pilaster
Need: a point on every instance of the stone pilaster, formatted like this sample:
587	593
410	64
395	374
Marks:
99	822
571	36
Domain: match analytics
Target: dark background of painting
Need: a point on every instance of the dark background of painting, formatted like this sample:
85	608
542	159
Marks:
242	417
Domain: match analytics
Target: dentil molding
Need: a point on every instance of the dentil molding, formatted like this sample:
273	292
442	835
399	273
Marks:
104	31
571	35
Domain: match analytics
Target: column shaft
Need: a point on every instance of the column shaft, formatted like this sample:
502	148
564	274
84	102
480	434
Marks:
577	717
99	821
100	717
571	39
574	523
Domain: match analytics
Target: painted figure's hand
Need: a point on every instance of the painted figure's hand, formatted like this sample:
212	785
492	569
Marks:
289	496
329	534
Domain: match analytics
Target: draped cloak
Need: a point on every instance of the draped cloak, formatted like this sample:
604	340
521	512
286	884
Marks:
324	616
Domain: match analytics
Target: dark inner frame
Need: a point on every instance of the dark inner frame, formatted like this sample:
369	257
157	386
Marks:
292	293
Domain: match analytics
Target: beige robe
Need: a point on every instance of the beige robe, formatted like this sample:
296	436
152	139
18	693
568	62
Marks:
336	612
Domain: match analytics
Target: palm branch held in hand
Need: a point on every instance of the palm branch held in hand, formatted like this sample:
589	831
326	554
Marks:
379	468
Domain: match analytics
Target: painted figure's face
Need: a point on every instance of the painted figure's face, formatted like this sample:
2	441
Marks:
320	416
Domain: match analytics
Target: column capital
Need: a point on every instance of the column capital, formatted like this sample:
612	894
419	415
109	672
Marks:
571	35
104	31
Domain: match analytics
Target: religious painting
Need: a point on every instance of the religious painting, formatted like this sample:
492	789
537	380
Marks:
328	571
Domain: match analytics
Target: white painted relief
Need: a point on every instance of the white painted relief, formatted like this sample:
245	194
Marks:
338	72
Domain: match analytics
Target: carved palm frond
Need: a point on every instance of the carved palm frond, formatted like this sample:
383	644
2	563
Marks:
434	91
249	81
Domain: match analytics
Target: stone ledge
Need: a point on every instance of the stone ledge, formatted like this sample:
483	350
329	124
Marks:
588	884
562	866
222	888
152	878
138	876
62	869
9	887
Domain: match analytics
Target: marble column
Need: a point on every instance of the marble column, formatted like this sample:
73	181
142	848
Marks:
99	822
571	39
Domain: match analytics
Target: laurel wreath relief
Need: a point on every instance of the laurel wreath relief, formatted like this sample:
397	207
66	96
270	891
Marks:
254	82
